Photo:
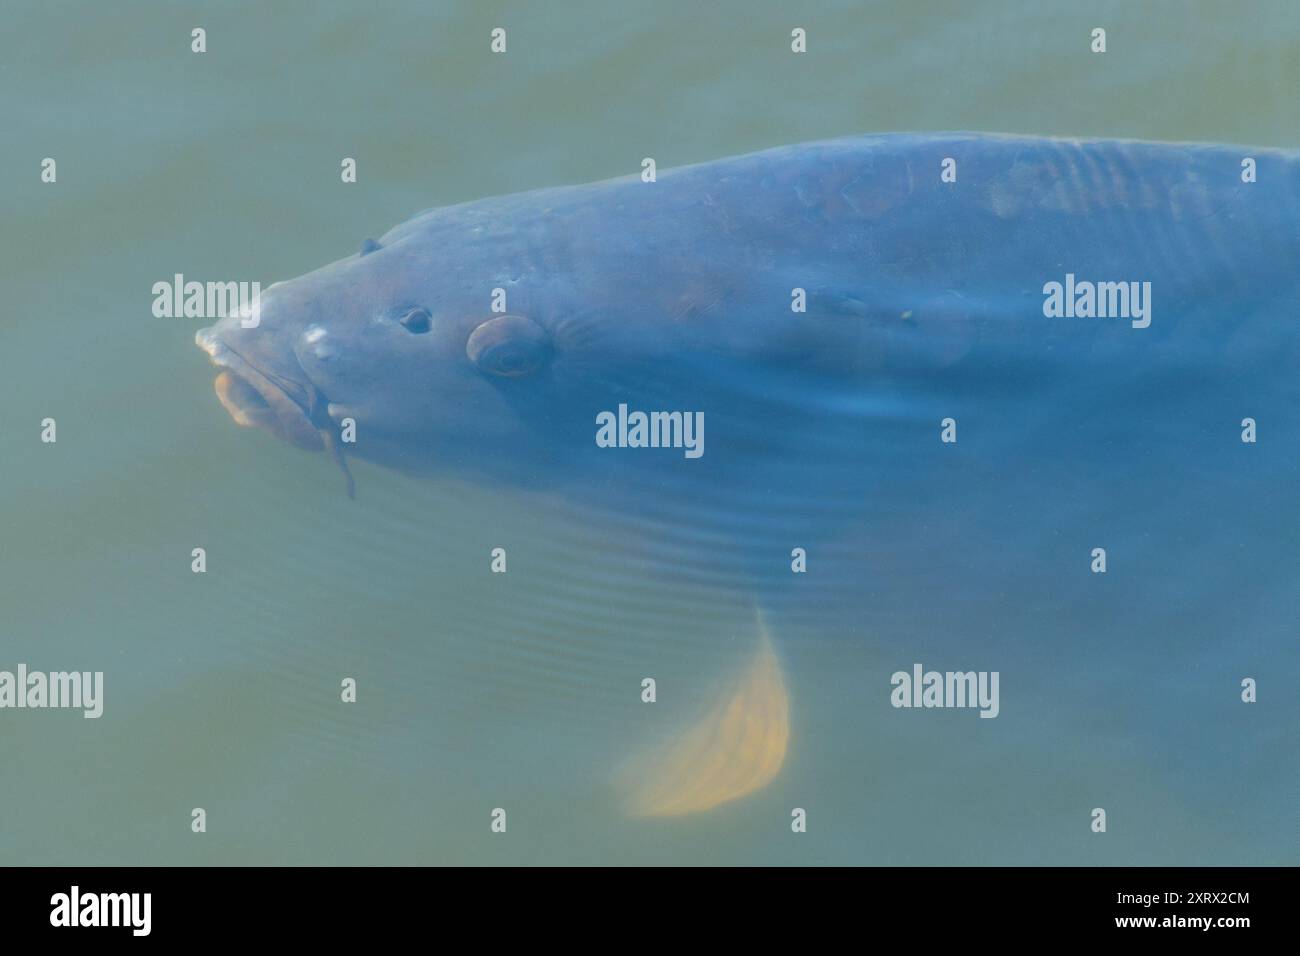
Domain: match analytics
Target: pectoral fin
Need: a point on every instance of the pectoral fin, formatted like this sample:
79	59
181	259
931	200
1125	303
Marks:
737	748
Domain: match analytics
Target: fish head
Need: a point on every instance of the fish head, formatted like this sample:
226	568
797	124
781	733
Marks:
402	344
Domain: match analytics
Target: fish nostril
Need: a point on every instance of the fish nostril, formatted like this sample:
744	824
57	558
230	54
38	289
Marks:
417	321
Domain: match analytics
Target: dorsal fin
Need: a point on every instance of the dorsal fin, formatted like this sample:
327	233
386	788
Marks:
368	246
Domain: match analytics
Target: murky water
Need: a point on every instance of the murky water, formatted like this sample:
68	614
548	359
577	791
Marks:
522	691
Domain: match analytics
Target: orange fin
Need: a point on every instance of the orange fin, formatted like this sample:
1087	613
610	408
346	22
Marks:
736	749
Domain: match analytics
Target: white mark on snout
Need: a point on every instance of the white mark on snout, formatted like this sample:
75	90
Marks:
317	341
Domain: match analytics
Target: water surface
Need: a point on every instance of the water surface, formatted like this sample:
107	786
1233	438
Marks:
521	691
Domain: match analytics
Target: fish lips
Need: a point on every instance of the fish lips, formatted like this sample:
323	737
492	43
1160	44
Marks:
257	398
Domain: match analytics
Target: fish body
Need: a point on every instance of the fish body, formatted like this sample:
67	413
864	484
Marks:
1010	396
681	293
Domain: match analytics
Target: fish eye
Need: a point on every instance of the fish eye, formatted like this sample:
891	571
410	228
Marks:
509	346
417	321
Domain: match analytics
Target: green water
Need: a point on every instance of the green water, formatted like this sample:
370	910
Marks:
222	689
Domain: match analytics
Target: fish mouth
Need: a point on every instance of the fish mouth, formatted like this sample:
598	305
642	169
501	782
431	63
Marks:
257	398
